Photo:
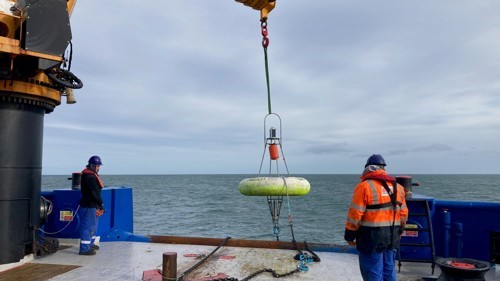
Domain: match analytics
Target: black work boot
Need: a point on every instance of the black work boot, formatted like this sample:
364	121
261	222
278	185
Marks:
94	247
90	252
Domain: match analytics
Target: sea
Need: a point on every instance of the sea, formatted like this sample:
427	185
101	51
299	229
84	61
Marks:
212	206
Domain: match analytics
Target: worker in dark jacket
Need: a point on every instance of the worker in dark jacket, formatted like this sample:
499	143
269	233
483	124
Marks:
91	206
375	220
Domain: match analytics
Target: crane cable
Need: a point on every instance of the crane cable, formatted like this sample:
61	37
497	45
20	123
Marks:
276	229
265	44
265	7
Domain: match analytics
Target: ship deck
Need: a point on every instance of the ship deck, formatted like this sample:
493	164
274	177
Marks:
143	261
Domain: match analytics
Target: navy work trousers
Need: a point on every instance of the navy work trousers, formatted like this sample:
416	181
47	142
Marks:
378	266
88	220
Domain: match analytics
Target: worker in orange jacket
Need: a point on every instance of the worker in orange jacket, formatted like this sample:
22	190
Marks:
375	221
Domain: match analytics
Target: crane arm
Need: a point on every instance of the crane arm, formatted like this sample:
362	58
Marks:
71	5
34	36
264	6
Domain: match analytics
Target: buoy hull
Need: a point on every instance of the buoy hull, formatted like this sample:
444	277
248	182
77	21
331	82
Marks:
274	186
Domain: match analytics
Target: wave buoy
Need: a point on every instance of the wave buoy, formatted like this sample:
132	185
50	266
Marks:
274	186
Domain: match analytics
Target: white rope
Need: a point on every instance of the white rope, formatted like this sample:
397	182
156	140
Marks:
51	233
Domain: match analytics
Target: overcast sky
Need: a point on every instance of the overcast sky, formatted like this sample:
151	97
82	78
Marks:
178	87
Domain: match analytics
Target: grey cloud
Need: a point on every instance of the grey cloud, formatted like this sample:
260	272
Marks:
327	148
382	77
436	147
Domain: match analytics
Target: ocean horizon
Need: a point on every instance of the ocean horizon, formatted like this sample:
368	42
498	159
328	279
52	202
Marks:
210	205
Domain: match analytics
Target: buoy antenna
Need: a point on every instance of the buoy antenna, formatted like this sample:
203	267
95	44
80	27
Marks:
273	144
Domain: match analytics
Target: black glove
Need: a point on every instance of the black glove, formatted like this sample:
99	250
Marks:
401	230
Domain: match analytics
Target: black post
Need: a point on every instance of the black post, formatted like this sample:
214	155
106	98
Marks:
405	181
169	266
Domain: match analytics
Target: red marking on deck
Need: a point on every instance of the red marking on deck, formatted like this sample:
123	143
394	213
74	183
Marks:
227	257
151	275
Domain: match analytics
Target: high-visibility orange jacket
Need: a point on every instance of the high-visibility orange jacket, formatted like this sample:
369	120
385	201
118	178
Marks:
373	220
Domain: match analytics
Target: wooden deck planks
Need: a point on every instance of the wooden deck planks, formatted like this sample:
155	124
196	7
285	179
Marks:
35	272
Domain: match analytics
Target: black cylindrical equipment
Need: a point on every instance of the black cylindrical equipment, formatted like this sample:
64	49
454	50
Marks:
405	181
21	143
31	84
76	179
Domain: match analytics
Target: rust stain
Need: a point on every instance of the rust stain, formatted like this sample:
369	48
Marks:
212	277
227	257
190	255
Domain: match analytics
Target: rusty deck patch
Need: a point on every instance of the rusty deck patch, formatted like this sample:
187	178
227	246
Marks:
33	271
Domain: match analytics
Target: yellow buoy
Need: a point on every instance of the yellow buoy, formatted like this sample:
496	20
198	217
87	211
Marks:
274	186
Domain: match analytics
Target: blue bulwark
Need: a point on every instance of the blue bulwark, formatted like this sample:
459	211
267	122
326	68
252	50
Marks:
64	221
122	209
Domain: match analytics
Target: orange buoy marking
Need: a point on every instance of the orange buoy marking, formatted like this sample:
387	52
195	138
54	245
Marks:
273	151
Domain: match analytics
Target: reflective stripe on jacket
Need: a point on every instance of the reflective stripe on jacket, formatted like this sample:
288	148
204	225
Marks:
371	215
370	194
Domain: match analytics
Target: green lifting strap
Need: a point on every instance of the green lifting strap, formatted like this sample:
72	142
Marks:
267	82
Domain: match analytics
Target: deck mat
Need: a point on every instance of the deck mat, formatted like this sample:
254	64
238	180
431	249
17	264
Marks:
35	272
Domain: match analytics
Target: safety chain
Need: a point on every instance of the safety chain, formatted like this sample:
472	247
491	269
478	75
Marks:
301	256
263	26
306	257
273	273
45	246
204	259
